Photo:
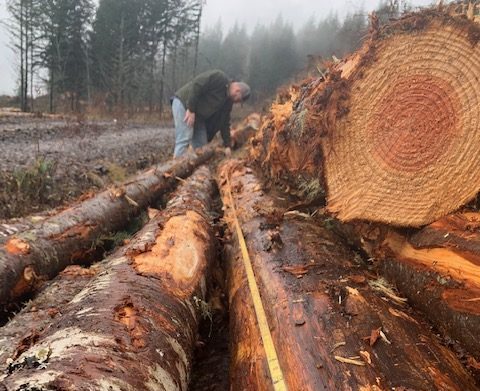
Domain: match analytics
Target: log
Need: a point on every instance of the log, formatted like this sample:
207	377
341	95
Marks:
39	314
325	317
390	134
242	133
32	256
134	325
438	270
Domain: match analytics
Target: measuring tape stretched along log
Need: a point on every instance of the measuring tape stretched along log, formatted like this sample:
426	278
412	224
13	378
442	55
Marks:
271	354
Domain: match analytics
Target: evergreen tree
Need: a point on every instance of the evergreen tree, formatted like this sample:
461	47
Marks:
234	50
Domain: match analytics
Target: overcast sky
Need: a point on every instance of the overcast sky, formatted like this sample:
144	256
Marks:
248	12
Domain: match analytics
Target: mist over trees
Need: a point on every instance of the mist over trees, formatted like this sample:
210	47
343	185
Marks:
132	55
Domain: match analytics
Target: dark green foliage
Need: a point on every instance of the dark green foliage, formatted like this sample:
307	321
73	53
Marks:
126	56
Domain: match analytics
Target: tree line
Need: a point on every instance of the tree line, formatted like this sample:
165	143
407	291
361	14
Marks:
133	54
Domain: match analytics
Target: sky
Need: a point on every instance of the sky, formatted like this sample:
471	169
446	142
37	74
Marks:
247	12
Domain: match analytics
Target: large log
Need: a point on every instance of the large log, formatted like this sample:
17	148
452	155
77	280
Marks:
39	314
391	134
438	270
71	236
325	318
135	324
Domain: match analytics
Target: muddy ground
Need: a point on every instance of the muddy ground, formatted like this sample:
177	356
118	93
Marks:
46	163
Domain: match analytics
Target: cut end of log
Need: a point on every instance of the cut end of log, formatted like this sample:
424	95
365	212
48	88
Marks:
407	151
17	246
181	249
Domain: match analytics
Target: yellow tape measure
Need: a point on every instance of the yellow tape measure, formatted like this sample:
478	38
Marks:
272	358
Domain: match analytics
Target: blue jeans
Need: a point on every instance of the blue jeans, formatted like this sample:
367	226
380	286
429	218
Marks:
185	135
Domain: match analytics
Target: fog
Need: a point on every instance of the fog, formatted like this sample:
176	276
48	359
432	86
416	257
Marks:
245	12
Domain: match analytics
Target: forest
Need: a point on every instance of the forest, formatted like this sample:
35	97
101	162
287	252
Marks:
132	55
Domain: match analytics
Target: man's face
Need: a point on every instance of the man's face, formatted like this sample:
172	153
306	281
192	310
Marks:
235	93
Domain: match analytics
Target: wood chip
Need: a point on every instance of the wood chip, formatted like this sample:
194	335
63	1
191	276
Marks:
297	270
383	287
131	201
337	345
374	335
472	363
350	361
401	314
384	337
366	356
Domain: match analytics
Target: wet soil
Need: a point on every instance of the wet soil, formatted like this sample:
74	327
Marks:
46	163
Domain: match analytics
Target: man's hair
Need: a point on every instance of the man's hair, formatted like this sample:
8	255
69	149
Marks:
245	90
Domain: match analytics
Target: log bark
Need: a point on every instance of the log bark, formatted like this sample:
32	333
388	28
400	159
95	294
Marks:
135	324
390	134
438	270
39	314
242	134
324	314
71	236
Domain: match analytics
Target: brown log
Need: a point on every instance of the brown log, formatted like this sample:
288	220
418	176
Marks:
324	315
135	324
389	135
245	130
72	235
438	270
39	314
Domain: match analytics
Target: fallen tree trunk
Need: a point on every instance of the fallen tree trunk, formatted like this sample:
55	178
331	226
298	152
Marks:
134	326
389	135
330	327
72	235
39	314
438	270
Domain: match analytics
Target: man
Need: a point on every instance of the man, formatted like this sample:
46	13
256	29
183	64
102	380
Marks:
202	107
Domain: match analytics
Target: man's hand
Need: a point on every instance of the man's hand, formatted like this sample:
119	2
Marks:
228	152
189	119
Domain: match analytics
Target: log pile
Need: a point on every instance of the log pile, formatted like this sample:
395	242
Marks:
386	140
37	254
390	134
331	328
134	326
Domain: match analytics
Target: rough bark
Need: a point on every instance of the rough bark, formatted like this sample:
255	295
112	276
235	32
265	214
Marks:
39	314
322	307
134	325
390	134
242	134
438	270
71	236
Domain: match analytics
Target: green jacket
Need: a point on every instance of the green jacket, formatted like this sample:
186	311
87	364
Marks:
207	96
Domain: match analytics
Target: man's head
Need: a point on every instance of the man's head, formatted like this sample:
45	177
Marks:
238	91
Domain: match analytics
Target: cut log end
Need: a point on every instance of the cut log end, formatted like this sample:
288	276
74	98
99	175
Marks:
406	152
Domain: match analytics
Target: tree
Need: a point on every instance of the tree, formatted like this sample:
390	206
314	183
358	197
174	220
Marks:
234	51
65	48
23	27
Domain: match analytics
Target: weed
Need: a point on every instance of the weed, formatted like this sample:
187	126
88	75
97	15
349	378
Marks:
34	182
205	311
311	190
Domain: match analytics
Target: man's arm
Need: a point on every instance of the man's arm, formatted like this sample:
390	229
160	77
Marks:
225	125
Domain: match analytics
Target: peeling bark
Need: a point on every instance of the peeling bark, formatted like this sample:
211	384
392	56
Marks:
69	237
134	325
40	313
332	329
438	270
